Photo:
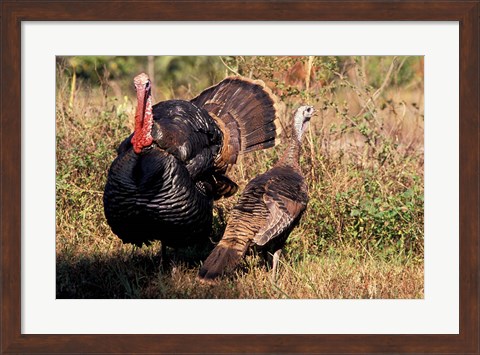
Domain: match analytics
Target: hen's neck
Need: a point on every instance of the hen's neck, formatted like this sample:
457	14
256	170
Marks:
291	156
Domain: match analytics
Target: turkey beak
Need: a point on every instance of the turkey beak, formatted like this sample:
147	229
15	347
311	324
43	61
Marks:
308	114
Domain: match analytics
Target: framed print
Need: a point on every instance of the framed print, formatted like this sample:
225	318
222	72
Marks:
41	289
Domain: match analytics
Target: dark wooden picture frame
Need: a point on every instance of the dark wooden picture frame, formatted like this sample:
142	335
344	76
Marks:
14	12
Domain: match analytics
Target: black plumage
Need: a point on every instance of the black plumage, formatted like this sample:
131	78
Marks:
163	182
269	208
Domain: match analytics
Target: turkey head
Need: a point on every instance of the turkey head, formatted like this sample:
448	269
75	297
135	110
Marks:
142	136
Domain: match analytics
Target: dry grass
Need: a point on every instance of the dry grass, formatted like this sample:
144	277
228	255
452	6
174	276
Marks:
362	233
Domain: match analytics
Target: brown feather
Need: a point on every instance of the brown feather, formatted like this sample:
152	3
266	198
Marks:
268	209
246	112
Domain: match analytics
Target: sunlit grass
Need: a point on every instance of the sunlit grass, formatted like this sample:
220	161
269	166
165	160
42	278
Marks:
360	237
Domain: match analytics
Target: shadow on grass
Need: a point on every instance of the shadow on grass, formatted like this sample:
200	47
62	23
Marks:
132	272
122	274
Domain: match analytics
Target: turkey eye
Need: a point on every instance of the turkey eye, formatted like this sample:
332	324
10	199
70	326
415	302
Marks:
147	85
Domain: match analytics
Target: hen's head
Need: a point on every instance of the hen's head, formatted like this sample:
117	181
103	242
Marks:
302	120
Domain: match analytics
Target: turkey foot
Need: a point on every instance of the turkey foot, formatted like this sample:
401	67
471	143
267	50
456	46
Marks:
276	257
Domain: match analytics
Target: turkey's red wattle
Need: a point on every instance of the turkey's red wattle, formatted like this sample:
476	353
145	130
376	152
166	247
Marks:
142	137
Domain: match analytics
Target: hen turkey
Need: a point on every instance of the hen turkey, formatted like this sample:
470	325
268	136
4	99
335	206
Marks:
163	182
268	209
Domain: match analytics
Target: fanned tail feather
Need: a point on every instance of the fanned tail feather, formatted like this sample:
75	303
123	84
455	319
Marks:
246	112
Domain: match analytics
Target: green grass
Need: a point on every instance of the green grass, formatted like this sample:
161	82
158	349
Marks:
360	237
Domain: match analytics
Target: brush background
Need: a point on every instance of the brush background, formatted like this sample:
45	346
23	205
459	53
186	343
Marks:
362	233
